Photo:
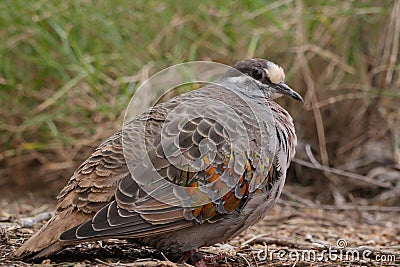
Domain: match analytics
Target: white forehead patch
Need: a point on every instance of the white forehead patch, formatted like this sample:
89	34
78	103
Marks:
275	73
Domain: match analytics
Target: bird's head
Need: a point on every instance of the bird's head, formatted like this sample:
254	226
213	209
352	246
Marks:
268	76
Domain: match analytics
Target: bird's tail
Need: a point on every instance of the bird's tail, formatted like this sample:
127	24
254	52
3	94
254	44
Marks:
46	241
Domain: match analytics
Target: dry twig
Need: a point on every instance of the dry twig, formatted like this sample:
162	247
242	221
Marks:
316	165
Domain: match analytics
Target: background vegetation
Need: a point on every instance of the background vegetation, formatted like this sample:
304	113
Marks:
69	68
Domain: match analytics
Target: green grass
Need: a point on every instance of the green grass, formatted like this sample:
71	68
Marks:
69	68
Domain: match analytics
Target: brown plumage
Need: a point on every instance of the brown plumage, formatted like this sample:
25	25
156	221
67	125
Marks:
143	182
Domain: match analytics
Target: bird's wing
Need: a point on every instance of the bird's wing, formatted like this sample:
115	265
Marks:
182	170
91	187
93	184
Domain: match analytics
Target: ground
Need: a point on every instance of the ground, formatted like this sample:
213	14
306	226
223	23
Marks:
292	235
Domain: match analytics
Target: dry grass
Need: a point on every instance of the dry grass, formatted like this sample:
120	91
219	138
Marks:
281	239
68	70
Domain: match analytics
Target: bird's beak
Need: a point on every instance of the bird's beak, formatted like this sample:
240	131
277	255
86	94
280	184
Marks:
284	89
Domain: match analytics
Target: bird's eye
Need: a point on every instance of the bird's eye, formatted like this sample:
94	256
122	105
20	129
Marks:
257	74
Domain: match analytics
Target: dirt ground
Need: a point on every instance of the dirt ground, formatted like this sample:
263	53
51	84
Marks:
292	235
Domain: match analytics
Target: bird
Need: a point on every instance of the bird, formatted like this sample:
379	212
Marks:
193	171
